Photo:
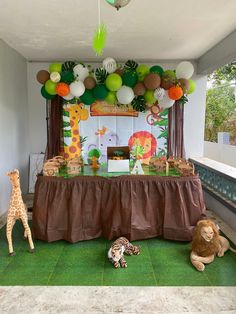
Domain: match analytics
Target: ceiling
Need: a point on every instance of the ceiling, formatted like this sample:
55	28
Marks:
48	30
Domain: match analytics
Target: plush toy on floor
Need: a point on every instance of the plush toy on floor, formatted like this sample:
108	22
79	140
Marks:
206	244
17	210
117	250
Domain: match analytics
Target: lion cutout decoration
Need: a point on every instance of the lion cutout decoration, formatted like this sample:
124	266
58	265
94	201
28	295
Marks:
206	244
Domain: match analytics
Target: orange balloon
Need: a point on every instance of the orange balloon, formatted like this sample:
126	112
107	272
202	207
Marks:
62	89
175	92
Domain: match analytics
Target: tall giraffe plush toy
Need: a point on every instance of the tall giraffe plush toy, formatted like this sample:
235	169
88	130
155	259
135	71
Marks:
17	210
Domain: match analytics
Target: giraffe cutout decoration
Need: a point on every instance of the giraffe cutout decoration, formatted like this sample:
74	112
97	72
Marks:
17	210
72	115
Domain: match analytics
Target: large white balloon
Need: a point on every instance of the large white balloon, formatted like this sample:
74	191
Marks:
77	89
109	65
159	93
166	102
80	72
184	70
125	95
68	97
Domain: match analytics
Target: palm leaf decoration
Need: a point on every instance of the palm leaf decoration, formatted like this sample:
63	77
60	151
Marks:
68	66
131	65
101	75
99	39
139	104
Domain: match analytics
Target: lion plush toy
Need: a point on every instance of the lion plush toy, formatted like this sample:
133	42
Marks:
206	244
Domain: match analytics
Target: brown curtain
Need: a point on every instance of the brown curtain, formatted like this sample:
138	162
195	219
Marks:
175	141
54	127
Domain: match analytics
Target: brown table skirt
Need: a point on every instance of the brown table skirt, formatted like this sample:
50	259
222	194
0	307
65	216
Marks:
138	207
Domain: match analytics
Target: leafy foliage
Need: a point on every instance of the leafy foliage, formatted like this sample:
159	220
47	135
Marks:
101	75
68	66
224	74
131	65
139	103
83	140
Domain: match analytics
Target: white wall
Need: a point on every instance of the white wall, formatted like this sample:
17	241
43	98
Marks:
221	152
194	111
194	119
14	131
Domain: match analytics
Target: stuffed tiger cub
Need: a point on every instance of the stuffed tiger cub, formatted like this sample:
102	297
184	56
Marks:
117	250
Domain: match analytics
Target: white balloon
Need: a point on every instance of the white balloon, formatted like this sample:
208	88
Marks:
68	97
184	70
77	88
109	65
166	102
159	93
125	95
80	72
55	77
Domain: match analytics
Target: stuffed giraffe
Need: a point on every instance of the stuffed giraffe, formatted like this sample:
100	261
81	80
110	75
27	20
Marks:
17	210
72	115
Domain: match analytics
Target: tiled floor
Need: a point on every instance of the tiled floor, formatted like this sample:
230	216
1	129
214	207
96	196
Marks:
161	263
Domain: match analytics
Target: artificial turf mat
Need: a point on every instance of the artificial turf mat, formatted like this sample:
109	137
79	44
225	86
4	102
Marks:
161	263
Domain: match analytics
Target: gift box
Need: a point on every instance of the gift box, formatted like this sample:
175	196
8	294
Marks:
118	159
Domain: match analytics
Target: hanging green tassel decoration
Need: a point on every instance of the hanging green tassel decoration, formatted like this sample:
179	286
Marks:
99	39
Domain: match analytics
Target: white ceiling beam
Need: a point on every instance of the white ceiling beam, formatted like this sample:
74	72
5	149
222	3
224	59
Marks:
221	54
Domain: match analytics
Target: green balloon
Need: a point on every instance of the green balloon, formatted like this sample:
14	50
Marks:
67	77
111	98
45	94
171	74
100	91
157	69
192	87
149	96
130	78
55	67
87	98
142	70
113	82
50	87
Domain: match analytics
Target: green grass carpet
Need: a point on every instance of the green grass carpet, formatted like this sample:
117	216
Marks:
161	263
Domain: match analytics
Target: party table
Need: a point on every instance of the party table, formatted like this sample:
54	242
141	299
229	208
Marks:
98	204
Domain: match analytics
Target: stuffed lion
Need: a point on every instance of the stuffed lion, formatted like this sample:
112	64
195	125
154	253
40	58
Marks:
206	244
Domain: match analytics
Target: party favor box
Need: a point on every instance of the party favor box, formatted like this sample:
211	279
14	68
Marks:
118	159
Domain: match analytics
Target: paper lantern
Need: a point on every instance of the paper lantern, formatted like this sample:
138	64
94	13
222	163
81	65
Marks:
159	93
175	92
184	70
139	89
129	78
45	94
100	91
89	82
152	81
184	83
55	67
109	64
68	97
43	76
50	87
113	82
125	95
80	72
62	89
166	102
77	89
55	77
